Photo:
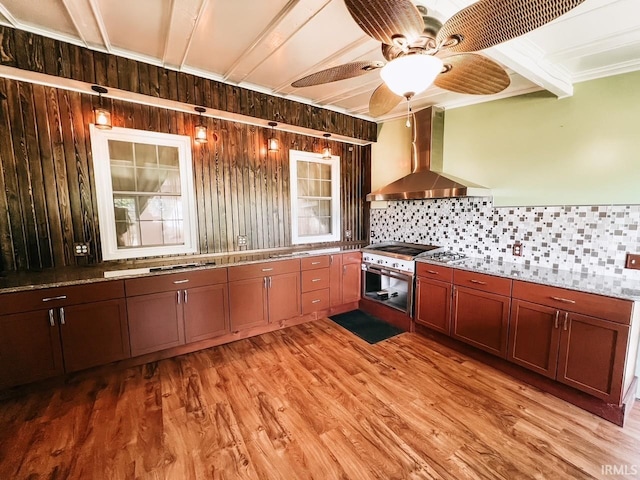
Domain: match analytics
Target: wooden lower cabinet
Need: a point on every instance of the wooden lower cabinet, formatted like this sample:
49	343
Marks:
433	304
351	282
206	312
248	303
481	319
284	296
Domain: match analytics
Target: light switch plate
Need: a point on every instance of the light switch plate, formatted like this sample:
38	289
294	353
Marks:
633	261
81	249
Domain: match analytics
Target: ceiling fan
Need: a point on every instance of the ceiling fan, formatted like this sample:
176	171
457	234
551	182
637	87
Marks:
421	51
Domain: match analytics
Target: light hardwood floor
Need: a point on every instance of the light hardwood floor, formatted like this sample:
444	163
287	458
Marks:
311	401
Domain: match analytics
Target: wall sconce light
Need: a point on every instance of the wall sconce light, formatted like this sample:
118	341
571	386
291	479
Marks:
326	151
272	144
200	133
101	115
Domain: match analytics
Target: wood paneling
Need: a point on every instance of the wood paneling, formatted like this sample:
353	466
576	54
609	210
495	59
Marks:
35	53
48	187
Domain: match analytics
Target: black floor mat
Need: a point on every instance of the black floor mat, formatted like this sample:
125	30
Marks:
367	327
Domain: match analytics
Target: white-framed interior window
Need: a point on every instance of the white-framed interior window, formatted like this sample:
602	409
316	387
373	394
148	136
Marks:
145	193
315	197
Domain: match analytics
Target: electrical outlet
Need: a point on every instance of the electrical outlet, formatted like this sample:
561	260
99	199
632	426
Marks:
347	234
242	240
633	261
517	249
81	249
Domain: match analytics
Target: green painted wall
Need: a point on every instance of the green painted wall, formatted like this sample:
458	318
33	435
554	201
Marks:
537	150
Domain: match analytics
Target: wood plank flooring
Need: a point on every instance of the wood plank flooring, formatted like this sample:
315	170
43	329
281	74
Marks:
311	401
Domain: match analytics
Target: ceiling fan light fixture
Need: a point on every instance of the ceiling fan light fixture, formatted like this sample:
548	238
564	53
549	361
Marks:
411	74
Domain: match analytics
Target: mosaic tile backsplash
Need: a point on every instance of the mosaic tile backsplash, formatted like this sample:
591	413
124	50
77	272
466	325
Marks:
586	239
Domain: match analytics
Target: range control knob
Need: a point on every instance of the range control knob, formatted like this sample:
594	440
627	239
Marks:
380	262
396	265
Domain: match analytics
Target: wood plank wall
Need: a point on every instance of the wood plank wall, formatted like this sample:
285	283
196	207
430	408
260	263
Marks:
47	186
28	51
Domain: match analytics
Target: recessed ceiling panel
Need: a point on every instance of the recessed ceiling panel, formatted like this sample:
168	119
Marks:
49	15
227	29
138	26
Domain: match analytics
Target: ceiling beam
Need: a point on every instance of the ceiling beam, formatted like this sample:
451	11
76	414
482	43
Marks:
181	25
85	22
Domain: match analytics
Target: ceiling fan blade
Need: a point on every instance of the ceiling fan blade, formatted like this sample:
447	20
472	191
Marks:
473	74
385	20
341	72
489	22
383	101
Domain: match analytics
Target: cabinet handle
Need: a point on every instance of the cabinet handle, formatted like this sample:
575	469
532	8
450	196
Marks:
478	282
344	269
316	279
315	301
566	318
51	299
267	269
433	272
557	315
330	259
563	300
186	296
315	263
178	296
52	321
177	282
62	322
269	281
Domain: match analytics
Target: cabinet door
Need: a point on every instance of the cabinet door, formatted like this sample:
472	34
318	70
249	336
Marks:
94	333
248	303
284	296
592	355
534	337
481	319
155	322
29	347
206	312
433	304
351	275
335	280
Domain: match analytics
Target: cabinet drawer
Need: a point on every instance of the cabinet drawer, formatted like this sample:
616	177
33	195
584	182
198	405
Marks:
437	272
266	269
614	309
312	263
175	281
315	279
481	281
351	257
314	301
60	296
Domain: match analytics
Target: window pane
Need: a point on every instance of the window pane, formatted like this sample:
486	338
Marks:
147	180
303	188
127	233
324	225
325	208
315	189
146	154
173	232
121	152
122	179
168	156
171	208
325	189
169	181
150	208
325	173
303	169
151	233
314	170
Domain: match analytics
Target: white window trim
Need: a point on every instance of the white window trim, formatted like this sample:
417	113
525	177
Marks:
104	191
294	157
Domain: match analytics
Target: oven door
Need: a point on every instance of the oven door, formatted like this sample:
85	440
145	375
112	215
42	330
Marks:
388	286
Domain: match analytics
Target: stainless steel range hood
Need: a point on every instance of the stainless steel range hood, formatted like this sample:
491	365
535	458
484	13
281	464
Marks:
427	145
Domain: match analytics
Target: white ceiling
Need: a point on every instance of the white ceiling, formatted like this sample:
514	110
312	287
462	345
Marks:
265	45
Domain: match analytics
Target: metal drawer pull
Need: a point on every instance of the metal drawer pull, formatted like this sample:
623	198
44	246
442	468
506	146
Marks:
267	269
62	322
50	299
316	279
557	315
315	301
269	281
478	282
186	296
433	272
315	263
566	317
52	321
177	282
563	300
178	294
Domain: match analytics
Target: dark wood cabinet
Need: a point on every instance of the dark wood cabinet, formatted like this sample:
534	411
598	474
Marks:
481	311
263	293
44	333
335	280
345	274
433	304
582	351
167	311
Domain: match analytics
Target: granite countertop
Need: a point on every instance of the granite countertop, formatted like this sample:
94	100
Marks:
59	277
613	286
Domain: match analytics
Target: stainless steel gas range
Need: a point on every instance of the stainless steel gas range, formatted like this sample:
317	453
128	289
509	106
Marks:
388	271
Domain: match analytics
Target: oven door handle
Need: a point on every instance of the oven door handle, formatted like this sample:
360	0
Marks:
387	272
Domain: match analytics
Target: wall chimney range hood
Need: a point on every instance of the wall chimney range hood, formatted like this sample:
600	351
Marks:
422	183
